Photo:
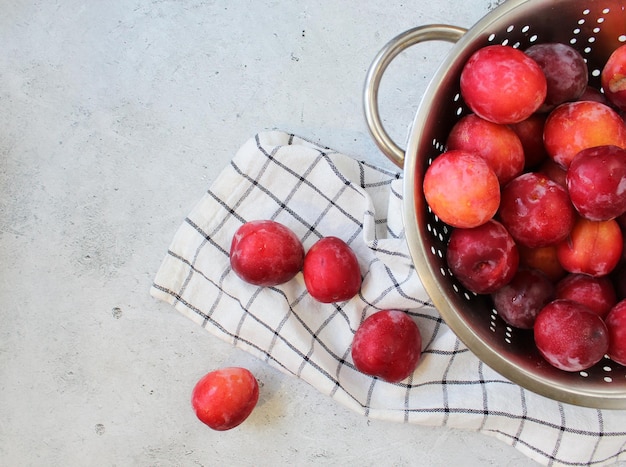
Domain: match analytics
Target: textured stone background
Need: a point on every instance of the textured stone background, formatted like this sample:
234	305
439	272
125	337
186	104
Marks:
115	117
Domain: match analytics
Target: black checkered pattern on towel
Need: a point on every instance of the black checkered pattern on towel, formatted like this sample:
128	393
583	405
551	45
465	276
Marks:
317	192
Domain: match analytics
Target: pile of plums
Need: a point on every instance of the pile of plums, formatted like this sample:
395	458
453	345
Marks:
533	184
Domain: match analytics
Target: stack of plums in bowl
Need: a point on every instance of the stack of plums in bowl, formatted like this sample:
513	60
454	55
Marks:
533	184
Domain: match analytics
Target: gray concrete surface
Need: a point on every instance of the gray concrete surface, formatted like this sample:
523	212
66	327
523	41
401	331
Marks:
115	116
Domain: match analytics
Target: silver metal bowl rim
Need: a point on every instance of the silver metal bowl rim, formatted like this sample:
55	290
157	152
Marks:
413	201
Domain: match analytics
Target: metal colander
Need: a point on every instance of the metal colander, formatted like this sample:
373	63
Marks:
595	29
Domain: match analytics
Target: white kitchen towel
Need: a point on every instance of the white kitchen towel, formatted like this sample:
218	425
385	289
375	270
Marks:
318	192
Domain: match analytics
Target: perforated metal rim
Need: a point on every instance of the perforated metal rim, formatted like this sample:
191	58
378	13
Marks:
594	28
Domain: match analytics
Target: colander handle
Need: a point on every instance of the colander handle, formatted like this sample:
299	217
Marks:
431	32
